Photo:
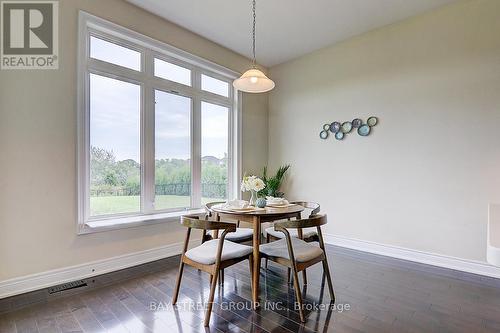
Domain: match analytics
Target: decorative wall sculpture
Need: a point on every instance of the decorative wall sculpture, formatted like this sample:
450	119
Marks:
341	129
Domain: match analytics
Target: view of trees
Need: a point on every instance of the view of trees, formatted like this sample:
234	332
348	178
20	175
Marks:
111	177
172	176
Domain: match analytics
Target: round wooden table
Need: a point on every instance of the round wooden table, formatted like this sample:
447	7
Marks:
257	217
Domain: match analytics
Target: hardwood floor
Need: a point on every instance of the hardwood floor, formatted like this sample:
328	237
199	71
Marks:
374	294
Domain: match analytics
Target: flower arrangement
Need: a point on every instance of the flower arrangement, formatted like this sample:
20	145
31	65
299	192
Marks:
253	184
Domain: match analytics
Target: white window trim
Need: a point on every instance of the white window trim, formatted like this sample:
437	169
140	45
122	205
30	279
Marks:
149	48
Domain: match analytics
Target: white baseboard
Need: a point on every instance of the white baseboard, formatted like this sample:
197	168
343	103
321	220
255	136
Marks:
476	267
51	278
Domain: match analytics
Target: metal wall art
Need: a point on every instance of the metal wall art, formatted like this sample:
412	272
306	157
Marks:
340	130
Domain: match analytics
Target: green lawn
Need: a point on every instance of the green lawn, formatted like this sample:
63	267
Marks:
130	204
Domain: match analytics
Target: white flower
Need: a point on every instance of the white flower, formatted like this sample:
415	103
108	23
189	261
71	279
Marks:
252	183
259	184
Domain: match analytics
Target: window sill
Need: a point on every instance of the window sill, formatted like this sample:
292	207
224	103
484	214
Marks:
133	221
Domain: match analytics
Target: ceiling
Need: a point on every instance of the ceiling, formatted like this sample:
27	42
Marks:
286	29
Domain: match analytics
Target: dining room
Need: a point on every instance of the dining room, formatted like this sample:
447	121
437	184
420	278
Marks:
249	166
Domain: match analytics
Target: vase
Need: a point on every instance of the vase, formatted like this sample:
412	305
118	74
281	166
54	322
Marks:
252	198
260	202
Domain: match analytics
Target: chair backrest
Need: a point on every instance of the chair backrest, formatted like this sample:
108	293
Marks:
194	222
208	207
314	221
313	206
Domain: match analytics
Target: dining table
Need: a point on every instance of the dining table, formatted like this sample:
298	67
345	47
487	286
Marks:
257	216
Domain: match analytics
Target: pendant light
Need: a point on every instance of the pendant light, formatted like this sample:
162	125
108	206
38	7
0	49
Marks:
253	80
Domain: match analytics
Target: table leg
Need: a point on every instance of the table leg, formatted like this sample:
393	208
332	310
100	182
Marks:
256	261
215	233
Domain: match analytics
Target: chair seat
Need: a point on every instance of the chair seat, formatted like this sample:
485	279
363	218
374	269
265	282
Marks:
239	234
206	252
306	232
302	250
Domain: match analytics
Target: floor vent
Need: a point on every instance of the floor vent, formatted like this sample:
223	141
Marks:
67	286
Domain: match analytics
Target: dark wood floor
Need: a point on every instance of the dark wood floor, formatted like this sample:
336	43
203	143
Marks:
379	294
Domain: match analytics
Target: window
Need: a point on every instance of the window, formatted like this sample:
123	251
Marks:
172	72
115	164
114	53
214	151
172	151
157	129
215	86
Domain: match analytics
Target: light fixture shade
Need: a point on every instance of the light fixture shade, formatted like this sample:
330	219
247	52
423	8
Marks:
253	81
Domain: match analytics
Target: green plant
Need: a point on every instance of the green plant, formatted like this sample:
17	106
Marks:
273	184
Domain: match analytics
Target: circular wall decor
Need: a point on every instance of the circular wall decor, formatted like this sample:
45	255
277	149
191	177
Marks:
372	121
335	127
341	129
357	122
364	130
347	127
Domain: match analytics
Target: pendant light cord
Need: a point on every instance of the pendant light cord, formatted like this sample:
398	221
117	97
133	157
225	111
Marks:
253	35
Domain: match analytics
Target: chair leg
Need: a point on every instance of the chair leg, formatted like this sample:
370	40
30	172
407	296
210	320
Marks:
178	283
298	295
288	273
221	279
213	285
250	264
267	241
328	279
304	276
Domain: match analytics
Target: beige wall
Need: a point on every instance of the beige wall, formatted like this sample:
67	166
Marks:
424	178
38	142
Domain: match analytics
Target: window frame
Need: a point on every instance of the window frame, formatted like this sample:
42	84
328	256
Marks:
149	48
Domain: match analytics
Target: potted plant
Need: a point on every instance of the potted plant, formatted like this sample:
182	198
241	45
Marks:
273	184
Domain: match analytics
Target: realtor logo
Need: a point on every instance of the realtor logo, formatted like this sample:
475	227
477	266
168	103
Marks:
29	31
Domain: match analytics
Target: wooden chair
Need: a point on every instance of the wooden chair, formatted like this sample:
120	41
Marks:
296	254
211	256
241	235
308	235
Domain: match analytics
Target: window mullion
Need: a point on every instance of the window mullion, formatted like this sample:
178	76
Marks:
148	136
235	152
196	144
230	150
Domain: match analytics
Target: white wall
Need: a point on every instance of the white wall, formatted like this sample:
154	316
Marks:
38	150
424	178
